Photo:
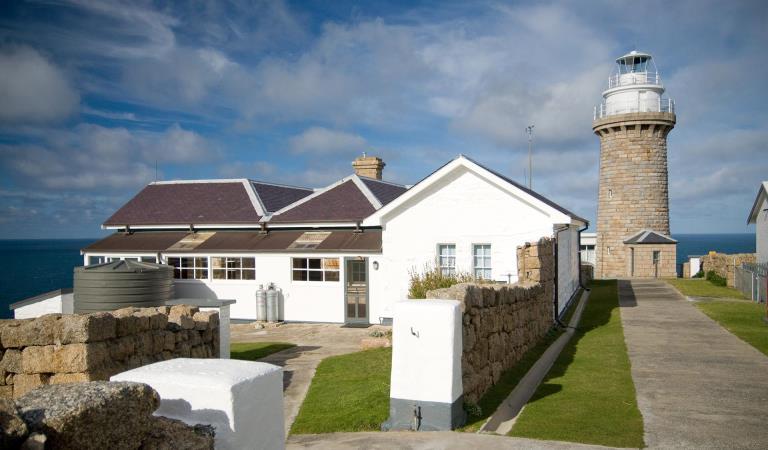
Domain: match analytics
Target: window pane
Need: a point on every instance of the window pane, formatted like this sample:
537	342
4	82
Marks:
331	275
249	263
201	274
217	263
201	262
299	263
219	274
174	262
299	275
233	274
149	259
315	275
249	274
331	263
315	263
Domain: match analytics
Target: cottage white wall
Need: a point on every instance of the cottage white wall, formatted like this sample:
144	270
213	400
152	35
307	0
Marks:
761	233
567	265
300	301
461	208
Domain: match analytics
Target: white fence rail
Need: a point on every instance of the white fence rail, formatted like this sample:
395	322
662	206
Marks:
752	280
628	79
651	105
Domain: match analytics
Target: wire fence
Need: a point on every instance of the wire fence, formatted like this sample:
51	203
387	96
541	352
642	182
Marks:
752	280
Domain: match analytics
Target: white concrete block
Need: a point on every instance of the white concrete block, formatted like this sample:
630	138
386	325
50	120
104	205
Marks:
242	399
426	351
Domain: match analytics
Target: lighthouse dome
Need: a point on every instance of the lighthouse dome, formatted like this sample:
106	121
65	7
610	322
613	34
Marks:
634	86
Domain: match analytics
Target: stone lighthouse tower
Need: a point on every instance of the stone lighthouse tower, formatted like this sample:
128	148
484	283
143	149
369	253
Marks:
632	122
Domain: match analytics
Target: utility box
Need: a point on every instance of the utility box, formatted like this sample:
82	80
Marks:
426	392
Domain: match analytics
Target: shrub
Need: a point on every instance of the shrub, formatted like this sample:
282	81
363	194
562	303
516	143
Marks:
716	279
699	274
433	278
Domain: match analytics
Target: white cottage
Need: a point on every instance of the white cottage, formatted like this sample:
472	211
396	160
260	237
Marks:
759	216
342	253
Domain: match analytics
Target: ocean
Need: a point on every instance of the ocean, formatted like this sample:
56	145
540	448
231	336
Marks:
32	267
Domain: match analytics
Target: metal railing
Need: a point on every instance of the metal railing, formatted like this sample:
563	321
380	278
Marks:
752	280
628	79
651	105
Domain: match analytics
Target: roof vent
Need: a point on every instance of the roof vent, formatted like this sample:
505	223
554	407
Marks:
310	240
369	166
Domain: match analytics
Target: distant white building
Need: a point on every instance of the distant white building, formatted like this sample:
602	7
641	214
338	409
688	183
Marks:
343	253
588	241
759	216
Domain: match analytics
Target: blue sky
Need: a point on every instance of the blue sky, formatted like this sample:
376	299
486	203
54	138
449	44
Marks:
95	95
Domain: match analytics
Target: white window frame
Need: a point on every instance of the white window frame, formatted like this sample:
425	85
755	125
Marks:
322	270
444	261
167	258
241	269
487	261
109	257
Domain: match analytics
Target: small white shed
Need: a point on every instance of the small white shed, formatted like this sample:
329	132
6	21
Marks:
759	216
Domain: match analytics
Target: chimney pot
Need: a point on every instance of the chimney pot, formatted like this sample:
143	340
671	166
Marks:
369	166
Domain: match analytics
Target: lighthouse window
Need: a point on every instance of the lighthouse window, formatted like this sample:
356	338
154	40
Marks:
610	193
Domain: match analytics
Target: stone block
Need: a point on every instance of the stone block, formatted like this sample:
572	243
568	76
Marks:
61	378
95	415
13	429
64	358
24	382
39	331
166	434
11	361
80	328
121	348
206	319
182	316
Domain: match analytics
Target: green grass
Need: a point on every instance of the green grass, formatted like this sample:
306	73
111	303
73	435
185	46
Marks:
251	351
588	395
699	287
348	393
744	319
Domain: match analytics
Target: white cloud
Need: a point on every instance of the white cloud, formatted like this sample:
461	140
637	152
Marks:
319	140
95	157
32	88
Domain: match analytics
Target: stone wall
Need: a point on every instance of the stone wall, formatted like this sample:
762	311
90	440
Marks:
725	265
643	260
55	348
633	193
501	322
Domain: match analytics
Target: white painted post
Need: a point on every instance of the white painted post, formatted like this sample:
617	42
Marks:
426	392
243	400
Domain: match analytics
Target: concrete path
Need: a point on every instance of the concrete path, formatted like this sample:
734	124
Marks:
698	386
314	342
503	419
405	440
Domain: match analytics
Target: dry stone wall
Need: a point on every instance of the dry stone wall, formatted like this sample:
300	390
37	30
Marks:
56	348
501	322
725	265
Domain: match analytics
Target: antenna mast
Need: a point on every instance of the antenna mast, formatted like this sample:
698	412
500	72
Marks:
529	130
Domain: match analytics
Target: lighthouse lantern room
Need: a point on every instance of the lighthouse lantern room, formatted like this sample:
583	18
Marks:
634	86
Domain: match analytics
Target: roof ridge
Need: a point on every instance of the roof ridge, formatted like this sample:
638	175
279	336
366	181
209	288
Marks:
199	181
391	183
290	186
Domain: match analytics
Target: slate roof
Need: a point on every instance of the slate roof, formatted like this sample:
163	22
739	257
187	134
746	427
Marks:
344	202
225	202
649	237
237	241
275	197
385	192
762	194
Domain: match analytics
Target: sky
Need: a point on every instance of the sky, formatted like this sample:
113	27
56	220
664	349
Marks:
99	98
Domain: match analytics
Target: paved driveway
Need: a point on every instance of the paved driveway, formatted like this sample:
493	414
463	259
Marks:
314	342
698	386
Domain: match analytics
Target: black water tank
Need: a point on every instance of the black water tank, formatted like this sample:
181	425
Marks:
118	284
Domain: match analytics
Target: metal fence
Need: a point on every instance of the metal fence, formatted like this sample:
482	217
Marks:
752	280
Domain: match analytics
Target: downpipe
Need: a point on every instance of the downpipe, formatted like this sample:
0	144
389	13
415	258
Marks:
581	282
557	271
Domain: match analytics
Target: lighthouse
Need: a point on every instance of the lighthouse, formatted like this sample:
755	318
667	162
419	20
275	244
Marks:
632	122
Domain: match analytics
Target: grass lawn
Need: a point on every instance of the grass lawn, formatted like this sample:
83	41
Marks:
744	319
251	351
588	395
348	393
699	287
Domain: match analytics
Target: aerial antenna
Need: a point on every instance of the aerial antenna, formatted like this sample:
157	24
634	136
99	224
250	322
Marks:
529	130
155	169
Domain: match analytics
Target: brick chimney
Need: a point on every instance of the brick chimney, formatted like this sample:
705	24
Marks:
369	166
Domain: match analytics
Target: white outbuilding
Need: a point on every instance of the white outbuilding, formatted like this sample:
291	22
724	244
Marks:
759	216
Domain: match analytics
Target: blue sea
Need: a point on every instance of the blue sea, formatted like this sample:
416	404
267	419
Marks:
32	267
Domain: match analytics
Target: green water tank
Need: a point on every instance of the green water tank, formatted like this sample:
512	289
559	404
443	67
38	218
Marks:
118	284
